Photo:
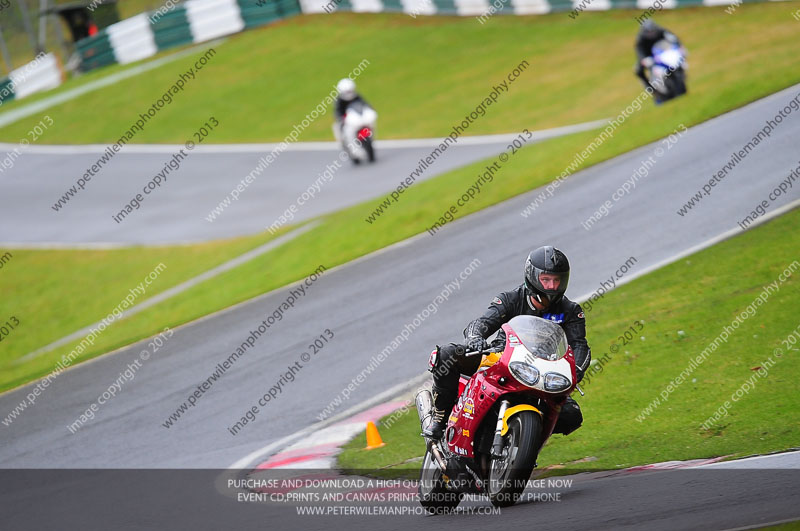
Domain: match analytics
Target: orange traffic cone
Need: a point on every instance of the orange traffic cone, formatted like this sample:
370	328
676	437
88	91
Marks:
373	437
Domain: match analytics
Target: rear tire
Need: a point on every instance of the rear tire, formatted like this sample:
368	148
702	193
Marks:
433	495
508	475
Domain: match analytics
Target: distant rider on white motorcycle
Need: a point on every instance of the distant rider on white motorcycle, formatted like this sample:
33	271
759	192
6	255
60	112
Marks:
355	123
347	96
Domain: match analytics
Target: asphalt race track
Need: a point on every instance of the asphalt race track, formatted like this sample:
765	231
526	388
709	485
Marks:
702	498
176	211
382	293
87	218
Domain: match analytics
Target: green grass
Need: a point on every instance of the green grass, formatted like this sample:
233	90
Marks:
85	286
698	295
426	74
54	293
783	527
80	80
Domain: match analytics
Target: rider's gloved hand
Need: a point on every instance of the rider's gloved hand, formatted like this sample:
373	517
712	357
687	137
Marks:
647	62
477	343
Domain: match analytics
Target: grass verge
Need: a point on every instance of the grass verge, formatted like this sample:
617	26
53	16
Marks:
263	82
683	308
53	293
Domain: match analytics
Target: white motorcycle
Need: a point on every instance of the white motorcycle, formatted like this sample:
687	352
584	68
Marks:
357	132
668	70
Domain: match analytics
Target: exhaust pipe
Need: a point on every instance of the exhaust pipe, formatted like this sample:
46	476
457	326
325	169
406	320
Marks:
424	402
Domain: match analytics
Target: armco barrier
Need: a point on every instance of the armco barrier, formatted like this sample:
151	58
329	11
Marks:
210	19
189	22
196	21
507	7
132	39
42	73
171	29
255	15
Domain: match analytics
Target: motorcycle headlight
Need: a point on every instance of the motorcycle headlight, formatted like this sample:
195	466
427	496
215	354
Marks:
525	373
555	382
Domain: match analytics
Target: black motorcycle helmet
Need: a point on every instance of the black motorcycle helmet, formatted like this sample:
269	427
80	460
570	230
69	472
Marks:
549	260
649	29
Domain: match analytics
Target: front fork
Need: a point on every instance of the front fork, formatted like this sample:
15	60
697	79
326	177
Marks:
497	443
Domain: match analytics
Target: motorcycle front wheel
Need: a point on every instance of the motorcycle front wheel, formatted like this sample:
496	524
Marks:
368	147
676	82
433	495
509	474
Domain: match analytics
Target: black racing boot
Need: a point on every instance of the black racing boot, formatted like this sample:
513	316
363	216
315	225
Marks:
443	402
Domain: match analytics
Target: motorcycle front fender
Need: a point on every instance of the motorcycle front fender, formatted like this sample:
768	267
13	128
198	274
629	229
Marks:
513	411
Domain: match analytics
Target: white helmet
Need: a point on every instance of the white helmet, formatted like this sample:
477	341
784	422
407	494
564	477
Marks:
346	88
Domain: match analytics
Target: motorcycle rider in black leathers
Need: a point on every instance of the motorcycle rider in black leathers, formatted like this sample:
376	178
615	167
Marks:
649	34
541	295
347	95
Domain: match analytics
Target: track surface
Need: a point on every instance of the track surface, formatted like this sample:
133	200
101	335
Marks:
176	211
703	498
369	302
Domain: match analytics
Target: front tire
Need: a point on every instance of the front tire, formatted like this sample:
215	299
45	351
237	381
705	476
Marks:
433	495
508	475
677	83
367	143
674	84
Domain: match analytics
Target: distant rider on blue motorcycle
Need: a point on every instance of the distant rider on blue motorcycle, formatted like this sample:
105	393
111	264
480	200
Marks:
649	34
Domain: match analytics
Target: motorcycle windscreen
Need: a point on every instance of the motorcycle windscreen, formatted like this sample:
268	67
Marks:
543	338
667	53
662	46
